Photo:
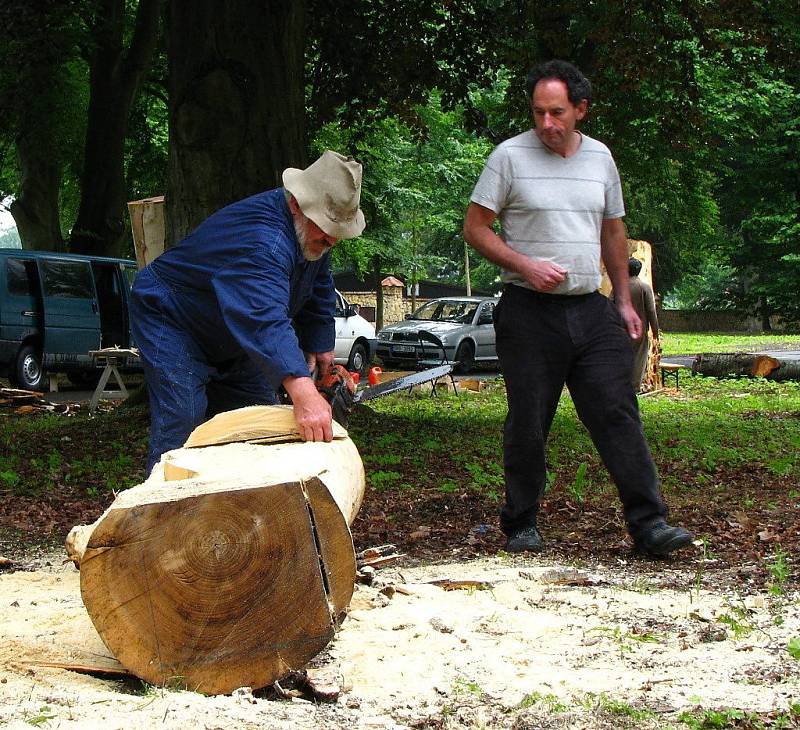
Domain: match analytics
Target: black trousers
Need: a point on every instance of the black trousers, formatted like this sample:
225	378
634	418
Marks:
545	341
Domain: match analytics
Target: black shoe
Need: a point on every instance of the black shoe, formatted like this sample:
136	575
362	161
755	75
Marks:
526	539
660	539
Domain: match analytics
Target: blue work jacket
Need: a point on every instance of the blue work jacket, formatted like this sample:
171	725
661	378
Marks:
240	283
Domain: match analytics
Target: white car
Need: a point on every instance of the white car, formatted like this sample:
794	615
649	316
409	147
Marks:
355	337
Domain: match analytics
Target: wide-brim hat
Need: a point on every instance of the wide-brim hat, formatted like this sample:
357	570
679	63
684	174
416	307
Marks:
329	192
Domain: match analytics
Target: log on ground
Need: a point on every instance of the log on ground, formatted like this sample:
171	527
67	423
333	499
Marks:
230	566
734	364
787	370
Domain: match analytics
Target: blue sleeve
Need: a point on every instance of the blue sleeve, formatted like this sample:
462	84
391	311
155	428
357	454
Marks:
315	320
253	296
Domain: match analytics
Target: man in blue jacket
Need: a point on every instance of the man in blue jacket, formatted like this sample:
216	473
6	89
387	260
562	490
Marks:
244	304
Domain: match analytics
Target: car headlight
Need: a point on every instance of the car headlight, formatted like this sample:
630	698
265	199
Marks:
384	336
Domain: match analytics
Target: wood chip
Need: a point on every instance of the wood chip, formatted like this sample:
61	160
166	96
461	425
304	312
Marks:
440	626
569	577
108	670
323	687
462	585
378	562
376	552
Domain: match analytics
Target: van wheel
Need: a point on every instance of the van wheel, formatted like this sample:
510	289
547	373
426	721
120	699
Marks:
358	362
28	370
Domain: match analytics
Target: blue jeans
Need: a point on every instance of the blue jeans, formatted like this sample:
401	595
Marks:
546	341
184	388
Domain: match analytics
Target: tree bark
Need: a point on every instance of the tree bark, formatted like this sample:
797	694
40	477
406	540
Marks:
237	114
232	564
115	78
35	209
786	370
734	364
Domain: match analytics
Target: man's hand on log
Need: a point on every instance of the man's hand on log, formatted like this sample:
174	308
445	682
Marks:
311	411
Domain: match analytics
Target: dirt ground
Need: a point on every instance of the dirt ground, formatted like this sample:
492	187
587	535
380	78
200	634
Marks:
533	644
624	642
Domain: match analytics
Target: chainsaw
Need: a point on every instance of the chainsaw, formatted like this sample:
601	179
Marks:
339	389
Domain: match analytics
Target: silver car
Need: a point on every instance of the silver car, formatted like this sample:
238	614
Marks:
462	324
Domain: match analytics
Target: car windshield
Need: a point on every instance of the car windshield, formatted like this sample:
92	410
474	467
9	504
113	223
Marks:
446	310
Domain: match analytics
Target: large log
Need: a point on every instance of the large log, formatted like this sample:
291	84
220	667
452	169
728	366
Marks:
733	364
232	564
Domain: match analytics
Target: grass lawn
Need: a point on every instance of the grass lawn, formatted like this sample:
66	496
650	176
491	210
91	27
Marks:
692	343
727	451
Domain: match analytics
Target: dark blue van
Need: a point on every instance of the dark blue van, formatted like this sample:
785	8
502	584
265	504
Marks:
55	308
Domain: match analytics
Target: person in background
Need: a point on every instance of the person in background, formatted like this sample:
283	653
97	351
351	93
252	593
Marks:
245	304
557	195
644	302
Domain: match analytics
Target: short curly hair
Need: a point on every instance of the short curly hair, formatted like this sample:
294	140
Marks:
634	267
578	86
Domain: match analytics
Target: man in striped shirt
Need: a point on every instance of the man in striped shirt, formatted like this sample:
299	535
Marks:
557	195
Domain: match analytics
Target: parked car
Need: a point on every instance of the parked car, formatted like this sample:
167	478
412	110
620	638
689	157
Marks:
355	337
463	324
55	308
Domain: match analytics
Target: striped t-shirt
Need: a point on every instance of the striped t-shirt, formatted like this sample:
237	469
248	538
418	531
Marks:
551	207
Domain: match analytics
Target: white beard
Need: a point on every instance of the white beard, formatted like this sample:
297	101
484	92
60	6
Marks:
300	230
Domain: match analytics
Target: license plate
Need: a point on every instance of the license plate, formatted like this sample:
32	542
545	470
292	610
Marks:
403	348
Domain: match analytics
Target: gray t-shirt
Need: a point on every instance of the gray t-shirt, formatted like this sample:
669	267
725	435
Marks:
551	207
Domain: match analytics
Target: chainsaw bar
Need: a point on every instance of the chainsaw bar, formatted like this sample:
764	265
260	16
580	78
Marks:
407	381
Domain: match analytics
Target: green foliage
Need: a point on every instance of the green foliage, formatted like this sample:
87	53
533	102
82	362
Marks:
712	286
707	719
779	571
577	490
381	480
44	715
793	647
549	702
418	173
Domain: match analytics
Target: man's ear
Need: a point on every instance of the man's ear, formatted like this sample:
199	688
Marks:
294	206
581	109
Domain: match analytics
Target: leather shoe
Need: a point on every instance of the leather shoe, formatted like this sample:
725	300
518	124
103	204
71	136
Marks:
660	539
524	540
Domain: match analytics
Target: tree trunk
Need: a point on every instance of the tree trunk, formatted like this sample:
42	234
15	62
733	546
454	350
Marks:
237	114
232	564
376	264
114	78
35	209
734	364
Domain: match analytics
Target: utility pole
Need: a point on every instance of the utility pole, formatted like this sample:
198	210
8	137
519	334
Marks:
466	269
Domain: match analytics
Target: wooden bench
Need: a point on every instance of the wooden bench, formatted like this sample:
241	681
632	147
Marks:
670	368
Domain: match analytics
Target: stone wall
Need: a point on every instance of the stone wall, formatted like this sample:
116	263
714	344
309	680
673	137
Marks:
394	306
675	320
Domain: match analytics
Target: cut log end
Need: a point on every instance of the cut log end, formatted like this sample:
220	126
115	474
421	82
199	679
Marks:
222	590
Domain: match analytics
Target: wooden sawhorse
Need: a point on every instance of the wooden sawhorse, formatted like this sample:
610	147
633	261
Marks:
109	359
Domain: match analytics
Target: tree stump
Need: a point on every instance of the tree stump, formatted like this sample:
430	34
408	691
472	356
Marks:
232	564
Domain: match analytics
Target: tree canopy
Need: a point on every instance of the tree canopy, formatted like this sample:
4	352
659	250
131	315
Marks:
109	100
